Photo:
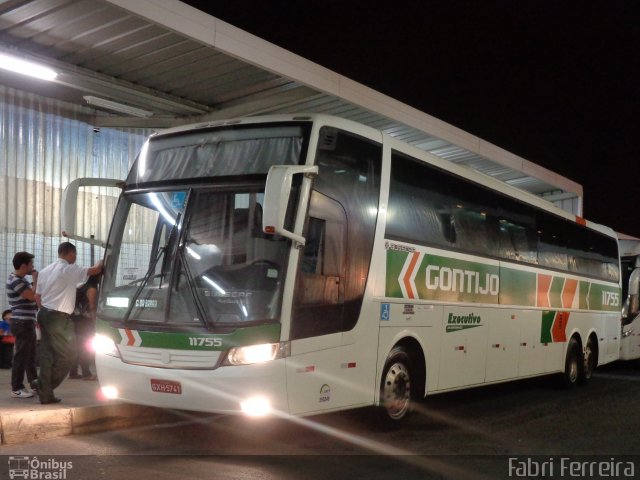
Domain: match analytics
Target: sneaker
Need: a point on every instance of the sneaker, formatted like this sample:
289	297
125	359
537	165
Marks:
22	394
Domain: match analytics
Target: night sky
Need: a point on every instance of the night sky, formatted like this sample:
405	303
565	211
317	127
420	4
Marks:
557	83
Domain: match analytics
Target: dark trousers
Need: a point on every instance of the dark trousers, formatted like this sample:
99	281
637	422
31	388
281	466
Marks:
84	330
57	350
24	353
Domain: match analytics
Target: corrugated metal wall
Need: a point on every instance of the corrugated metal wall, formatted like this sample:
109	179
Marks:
44	145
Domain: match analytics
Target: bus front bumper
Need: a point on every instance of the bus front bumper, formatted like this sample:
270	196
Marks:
257	389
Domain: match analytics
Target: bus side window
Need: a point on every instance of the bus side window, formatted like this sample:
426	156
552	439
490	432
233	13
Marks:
312	256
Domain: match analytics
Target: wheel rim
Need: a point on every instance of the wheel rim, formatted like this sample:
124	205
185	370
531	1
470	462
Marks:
588	361
573	368
396	391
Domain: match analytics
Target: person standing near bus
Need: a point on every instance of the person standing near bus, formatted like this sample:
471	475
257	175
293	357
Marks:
56	296
6	340
84	324
21	295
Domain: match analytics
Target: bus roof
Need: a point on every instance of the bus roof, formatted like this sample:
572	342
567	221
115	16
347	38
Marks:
460	170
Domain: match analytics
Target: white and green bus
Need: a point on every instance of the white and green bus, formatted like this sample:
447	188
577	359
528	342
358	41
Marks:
630	273
296	265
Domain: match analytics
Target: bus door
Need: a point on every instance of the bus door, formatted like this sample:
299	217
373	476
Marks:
330	350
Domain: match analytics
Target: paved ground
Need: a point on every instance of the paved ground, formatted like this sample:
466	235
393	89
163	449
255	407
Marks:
74	393
601	418
473	433
83	409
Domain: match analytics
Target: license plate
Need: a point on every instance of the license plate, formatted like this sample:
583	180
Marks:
166	386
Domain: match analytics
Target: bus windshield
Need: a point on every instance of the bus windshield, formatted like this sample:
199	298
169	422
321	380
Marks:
194	257
186	247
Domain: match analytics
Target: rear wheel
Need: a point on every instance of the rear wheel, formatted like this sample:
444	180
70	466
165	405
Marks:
395	387
590	361
573	365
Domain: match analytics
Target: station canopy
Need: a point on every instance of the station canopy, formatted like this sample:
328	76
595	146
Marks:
159	63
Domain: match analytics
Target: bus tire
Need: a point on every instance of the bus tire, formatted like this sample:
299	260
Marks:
573	364
590	360
396	392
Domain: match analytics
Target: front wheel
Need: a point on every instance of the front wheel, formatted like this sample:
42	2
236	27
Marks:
396	387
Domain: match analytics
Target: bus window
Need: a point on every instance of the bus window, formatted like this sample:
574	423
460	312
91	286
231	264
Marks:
234	269
140	281
320	289
419	204
552	244
518	235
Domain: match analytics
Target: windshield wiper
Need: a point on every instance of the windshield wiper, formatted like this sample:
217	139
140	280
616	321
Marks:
144	281
192	288
150	270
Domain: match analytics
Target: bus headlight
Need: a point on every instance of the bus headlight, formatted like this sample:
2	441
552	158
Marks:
104	345
256	406
110	392
257	353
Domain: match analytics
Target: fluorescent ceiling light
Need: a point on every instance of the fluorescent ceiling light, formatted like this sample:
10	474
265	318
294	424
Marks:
117	107
15	64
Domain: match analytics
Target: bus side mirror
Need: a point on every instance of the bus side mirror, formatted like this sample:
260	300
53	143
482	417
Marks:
276	198
69	206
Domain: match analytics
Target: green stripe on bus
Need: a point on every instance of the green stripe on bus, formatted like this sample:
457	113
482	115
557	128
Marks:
603	297
454	280
555	293
584	290
517	287
547	324
395	262
191	340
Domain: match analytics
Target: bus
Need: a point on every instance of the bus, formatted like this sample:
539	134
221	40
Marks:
301	264
629	248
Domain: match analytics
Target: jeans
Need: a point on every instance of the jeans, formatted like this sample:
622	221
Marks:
57	351
24	353
84	329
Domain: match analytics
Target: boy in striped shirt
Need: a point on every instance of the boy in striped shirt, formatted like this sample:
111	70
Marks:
21	295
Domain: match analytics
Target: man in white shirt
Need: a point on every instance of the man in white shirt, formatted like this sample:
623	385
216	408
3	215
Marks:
56	297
